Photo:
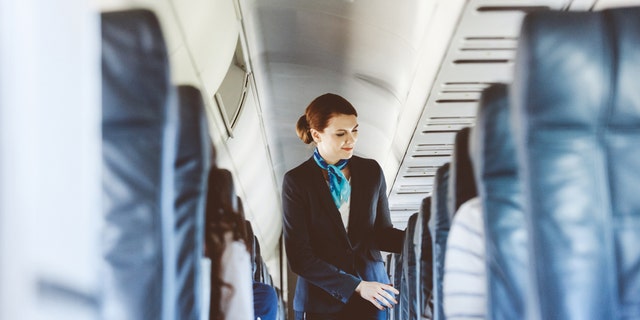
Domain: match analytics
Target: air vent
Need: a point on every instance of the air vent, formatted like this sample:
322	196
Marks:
440	153
450	119
447	124
523	9
489	44
464	87
421	171
456	100
467	61
403	207
435	149
472	38
415	189
431	150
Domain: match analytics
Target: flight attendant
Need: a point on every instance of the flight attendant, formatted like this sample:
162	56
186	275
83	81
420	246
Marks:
336	220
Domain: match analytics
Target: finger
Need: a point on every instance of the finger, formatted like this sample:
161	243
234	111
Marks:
376	304
389	297
382	299
390	288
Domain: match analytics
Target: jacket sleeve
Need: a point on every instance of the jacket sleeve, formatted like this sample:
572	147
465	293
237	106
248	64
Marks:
302	261
387	237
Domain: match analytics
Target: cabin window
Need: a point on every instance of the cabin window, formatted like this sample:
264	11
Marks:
233	91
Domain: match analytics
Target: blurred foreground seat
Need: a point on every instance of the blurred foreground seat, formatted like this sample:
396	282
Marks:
577	109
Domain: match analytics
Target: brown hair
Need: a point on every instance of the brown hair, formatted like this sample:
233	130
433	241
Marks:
319	112
223	216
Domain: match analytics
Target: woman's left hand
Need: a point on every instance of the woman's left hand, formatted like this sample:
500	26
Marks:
377	293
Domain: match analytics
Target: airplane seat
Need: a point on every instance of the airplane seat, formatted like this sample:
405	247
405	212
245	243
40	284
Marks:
408	294
462	184
463	274
253	245
389	264
252	241
260	269
262	272
397	283
576	109
494	160
139	132
221	198
425	254
192	168
441	225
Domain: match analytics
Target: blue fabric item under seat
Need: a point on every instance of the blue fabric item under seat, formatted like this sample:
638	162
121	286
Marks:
265	301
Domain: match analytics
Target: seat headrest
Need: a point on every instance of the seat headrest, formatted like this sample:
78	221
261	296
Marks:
425	208
136	64
221	196
579	69
439	204
491	143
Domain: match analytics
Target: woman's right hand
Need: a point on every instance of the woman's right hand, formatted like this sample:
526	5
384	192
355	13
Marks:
377	293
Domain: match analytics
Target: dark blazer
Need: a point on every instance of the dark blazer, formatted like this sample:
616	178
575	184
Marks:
331	263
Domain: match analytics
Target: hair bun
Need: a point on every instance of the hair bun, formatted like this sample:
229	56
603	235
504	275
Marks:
303	129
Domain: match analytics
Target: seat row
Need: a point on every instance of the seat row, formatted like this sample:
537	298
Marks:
536	215
159	183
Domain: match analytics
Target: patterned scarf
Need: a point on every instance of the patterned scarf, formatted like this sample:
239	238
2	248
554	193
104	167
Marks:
338	184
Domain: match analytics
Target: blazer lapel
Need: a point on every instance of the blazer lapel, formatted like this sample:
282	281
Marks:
321	188
355	211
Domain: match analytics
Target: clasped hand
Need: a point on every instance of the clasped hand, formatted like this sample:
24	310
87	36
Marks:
377	293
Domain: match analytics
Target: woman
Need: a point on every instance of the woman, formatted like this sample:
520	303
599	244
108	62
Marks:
336	220
231	292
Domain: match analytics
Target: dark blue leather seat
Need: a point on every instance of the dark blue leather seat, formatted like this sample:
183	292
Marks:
192	168
441	224
409	309
397	283
139	119
425	254
495	166
577	108
462	185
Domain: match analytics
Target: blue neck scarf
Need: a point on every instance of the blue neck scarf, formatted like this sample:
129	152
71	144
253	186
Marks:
338	184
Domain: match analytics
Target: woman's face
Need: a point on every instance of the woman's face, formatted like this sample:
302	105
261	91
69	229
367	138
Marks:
338	139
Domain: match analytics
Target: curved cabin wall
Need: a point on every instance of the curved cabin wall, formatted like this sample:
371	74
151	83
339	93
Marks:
201	39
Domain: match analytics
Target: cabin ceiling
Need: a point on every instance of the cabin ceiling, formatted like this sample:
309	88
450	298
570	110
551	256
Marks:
413	69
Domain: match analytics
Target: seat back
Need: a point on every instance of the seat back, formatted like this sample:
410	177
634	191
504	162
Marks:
495	166
441	224
139	119
425	256
577	107
462	185
397	283
408	293
192	168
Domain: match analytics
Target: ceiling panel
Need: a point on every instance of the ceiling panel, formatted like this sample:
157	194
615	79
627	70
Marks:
481	53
